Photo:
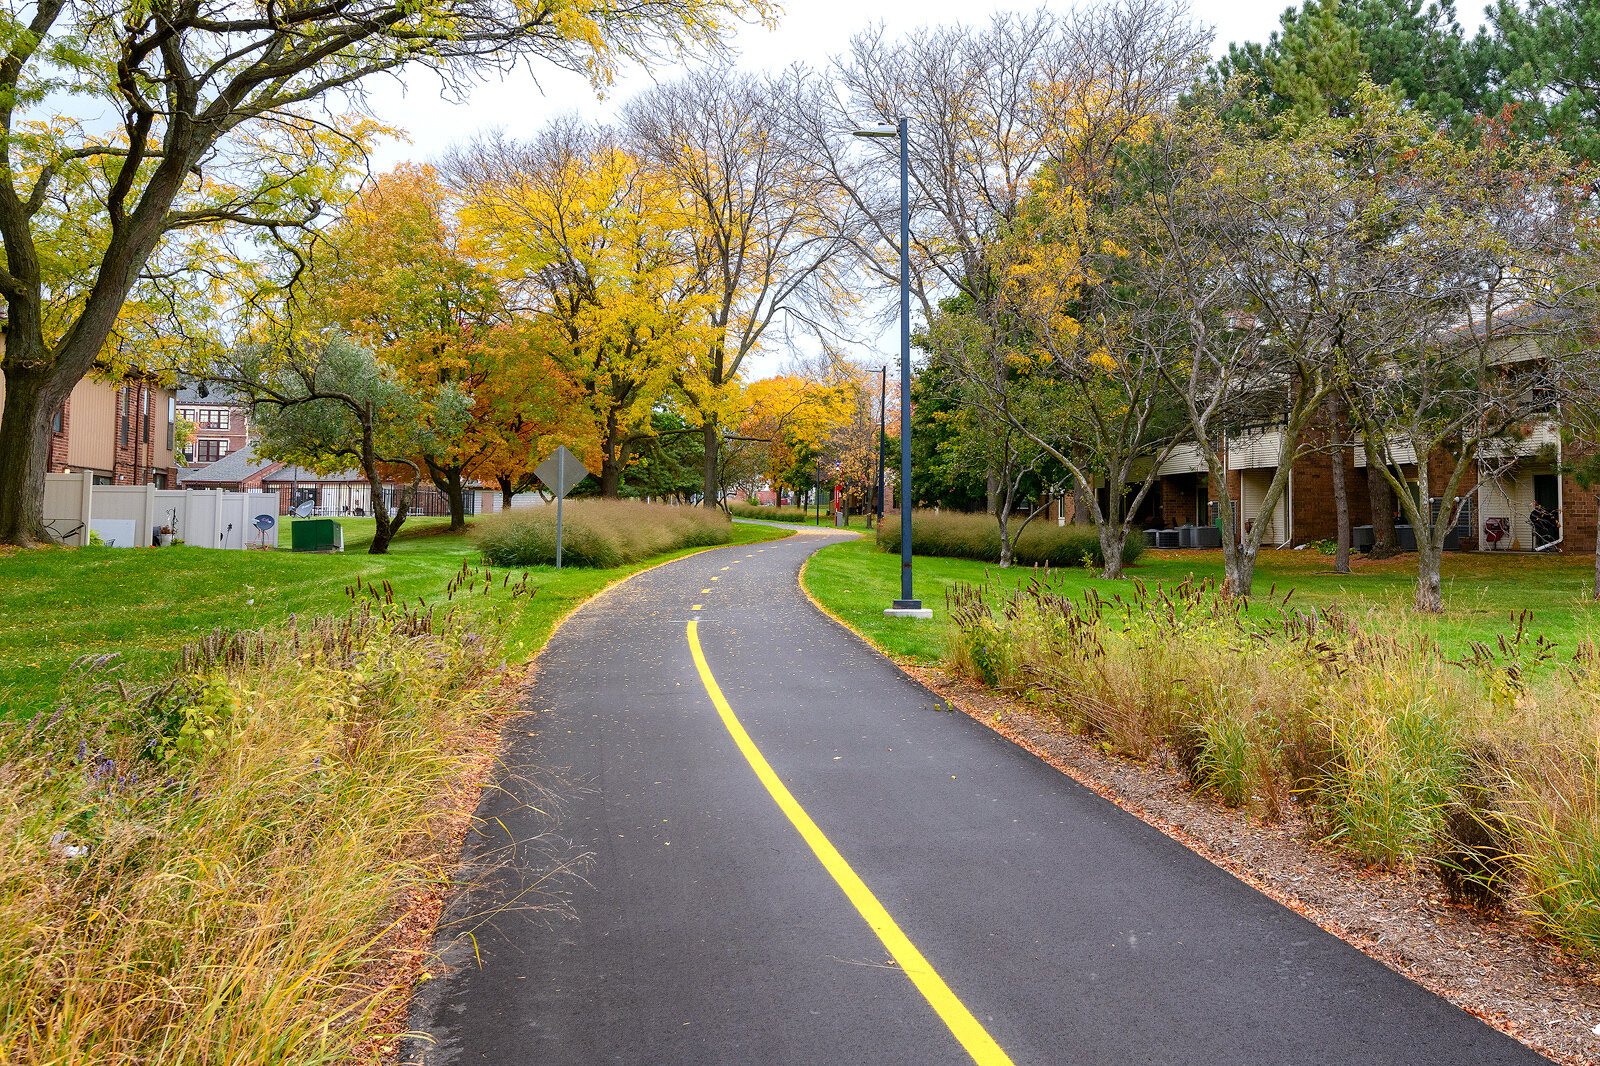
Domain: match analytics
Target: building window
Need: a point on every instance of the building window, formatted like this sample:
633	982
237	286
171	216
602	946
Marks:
172	428
212	418
122	408
159	480
209	451
144	413
58	421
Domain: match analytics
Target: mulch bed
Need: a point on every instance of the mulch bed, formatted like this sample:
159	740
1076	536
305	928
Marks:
1491	966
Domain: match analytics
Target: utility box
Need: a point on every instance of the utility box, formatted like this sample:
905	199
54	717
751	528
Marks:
316	535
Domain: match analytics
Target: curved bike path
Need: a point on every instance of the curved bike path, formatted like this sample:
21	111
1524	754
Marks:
706	928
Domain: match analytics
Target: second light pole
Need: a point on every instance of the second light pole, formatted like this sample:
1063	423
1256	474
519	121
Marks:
906	606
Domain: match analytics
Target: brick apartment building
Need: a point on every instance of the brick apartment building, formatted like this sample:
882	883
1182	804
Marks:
1495	501
221	422
120	432
1510	480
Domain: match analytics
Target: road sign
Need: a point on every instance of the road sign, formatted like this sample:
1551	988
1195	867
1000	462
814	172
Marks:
561	473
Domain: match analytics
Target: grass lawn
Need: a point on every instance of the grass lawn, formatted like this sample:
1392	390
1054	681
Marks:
145	604
856	582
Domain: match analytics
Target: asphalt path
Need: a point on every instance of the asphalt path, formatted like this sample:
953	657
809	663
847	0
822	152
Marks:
646	896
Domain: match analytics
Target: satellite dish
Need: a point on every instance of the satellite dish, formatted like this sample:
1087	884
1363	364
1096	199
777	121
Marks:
265	522
304	508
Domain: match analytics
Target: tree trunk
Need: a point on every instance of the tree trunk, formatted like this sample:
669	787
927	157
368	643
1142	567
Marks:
1004	517
613	458
1382	498
1112	539
1429	597
1238	556
1241	571
709	487
25	455
385	525
1341	491
447	479
610	478
508	490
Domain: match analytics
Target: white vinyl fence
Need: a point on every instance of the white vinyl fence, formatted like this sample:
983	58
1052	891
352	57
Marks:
126	516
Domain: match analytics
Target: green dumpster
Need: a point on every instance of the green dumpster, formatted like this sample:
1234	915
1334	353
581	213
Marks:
316	535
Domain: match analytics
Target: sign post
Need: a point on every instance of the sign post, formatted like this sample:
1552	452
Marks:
561	473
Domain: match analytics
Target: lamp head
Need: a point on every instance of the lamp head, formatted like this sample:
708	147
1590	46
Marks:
884	130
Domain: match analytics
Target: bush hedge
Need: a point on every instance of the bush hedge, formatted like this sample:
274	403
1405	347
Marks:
772	514
599	533
957	535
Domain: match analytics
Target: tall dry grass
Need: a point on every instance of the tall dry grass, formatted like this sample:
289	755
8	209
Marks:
205	872
599	533
1487	768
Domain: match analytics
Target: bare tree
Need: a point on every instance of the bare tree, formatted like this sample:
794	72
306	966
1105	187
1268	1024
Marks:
763	235
1068	352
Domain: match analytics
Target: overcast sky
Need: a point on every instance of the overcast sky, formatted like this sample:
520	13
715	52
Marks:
809	31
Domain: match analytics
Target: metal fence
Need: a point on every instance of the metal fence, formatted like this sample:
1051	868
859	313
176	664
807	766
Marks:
427	500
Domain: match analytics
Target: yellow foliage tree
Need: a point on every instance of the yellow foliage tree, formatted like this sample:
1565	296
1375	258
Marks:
586	240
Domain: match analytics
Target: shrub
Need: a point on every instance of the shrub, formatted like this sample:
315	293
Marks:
601	533
958	535
205	871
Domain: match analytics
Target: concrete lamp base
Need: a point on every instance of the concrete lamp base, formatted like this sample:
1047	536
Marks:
907	609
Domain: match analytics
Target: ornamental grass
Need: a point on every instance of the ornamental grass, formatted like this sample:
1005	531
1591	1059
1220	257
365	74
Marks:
208	871
959	535
598	533
1486	768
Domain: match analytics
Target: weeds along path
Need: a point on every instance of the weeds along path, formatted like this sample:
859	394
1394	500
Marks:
771	846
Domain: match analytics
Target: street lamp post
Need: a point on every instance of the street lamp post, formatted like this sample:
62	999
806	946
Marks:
905	606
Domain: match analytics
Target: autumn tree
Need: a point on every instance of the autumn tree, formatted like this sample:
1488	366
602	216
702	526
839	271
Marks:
587	241
1477	268
762	237
787	421
525	406
983	375
213	119
1063	350
394	273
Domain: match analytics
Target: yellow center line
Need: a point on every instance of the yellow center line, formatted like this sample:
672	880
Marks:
694	607
963	1026
704	591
